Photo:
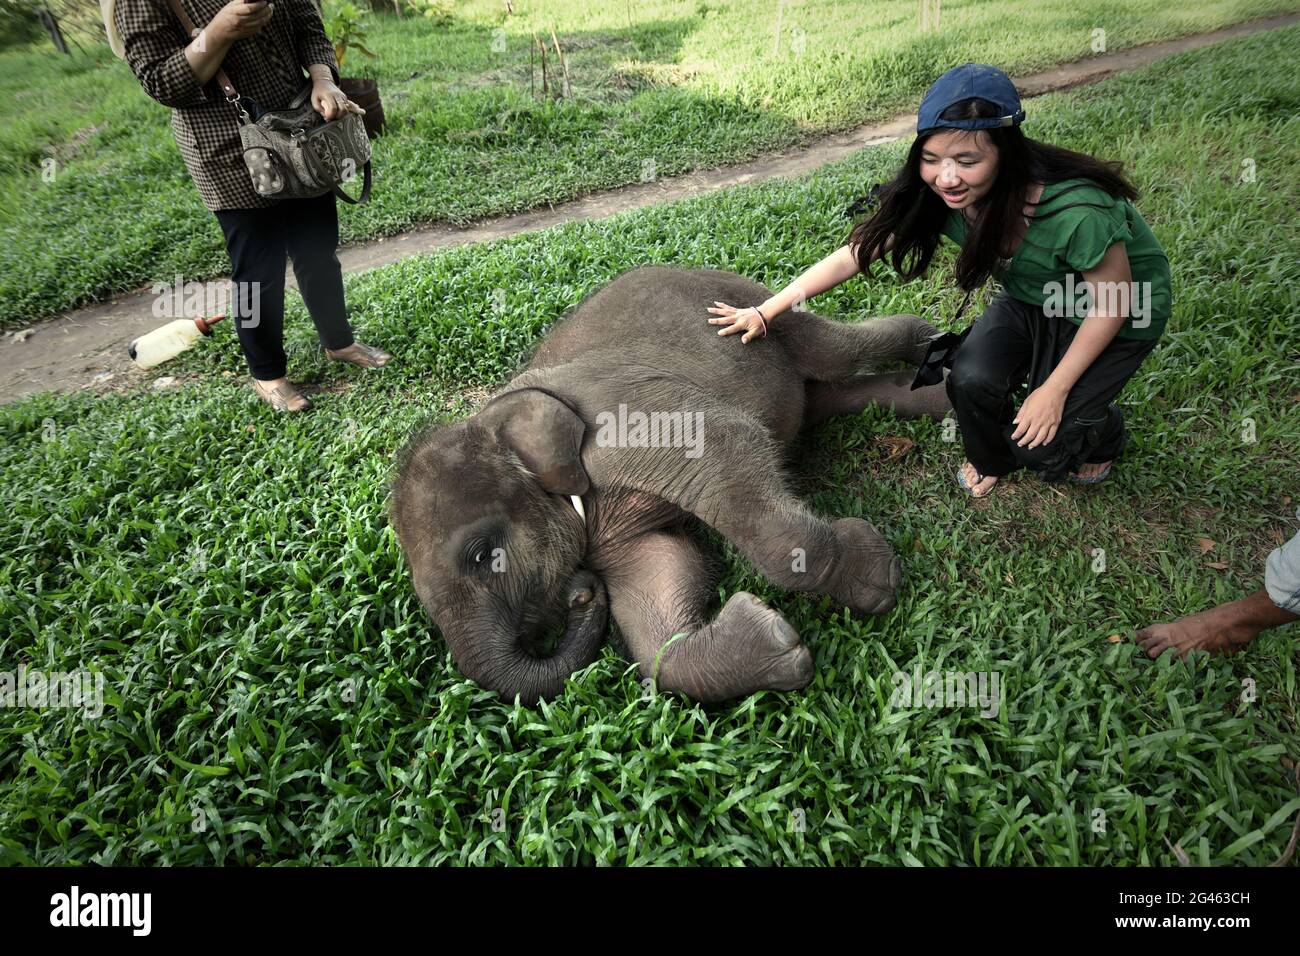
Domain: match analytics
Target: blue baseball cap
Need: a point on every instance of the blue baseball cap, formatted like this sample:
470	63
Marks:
969	81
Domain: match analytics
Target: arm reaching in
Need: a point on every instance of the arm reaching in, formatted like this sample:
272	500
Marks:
1229	627
840	265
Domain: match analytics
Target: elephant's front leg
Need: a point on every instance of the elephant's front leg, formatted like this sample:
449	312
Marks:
736	487
659	590
847	559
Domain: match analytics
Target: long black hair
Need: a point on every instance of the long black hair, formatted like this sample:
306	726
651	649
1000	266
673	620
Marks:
910	211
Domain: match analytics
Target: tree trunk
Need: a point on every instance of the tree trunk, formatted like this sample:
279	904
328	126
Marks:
52	28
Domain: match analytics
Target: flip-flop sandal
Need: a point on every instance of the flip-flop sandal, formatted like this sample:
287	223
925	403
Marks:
1095	479
961	480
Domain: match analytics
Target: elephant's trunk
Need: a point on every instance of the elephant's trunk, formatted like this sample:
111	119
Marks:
501	662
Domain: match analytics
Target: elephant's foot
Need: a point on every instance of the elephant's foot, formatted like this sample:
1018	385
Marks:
868	573
748	647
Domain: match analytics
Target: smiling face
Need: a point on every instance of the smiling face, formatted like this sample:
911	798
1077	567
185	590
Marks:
960	165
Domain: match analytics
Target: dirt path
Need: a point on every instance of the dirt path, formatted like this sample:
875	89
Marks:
87	348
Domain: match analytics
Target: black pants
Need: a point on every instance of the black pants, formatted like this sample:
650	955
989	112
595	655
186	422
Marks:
1013	344
258	240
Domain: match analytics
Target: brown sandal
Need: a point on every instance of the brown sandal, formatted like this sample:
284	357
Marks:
283	398
358	353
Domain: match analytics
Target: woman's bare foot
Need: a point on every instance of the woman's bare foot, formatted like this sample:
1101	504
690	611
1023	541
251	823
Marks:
1091	471
978	485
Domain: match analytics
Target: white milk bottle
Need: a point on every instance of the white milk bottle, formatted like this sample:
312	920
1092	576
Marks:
170	340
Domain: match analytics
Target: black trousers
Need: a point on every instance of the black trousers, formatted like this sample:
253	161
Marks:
1012	345
305	231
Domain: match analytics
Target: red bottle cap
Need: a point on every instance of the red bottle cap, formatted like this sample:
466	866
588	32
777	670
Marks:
205	325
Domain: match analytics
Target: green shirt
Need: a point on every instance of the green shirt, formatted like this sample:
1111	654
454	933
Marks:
1074	224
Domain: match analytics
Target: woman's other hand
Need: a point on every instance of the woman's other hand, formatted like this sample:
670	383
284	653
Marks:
238	20
331	102
1039	417
736	320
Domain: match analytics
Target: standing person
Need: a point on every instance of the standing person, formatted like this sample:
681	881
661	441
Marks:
1048	223
268	51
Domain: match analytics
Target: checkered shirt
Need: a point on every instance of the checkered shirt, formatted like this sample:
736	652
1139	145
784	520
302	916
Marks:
268	68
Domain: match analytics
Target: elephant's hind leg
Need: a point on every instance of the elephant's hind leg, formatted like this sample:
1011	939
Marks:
893	390
658	595
825	350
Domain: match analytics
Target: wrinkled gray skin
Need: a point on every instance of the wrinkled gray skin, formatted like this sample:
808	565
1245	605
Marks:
501	559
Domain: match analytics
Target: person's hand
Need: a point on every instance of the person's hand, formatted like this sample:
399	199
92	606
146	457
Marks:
238	20
1039	417
331	102
736	320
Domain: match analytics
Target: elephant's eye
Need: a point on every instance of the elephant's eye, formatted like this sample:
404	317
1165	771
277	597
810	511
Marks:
478	554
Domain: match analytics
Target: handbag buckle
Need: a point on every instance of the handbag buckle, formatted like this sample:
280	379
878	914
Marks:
236	101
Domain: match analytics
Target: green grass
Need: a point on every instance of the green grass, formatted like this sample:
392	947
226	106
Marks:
232	573
683	85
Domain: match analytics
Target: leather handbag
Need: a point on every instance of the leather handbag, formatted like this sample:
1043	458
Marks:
294	153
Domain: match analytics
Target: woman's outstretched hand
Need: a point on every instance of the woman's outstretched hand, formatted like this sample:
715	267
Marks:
736	320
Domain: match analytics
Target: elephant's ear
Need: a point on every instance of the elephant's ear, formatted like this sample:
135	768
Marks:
546	435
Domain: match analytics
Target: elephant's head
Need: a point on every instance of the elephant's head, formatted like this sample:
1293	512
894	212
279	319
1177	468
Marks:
494	541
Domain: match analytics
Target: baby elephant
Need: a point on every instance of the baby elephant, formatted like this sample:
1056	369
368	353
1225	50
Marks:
567	495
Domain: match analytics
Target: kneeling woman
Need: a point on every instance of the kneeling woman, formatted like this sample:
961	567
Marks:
1085	285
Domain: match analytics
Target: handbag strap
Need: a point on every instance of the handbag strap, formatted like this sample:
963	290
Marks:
964	302
192	31
365	189
301	98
